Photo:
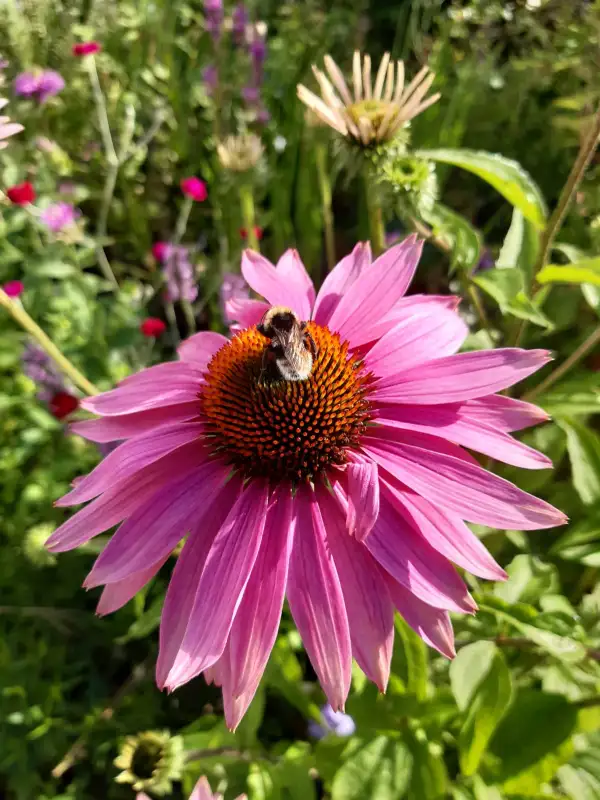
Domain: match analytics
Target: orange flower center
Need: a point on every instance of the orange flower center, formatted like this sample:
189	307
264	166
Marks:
281	429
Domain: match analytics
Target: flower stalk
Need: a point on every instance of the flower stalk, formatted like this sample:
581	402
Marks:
248	215
375	215
20	316
325	191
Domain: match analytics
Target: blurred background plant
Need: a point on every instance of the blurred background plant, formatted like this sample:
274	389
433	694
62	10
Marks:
125	209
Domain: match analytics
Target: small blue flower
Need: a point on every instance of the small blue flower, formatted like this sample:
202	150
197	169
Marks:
335	722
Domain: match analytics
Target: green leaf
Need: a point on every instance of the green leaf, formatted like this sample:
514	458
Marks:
379	769
416	668
246	732
520	247
583	446
261	785
51	268
428	780
529	578
580	543
579	394
145	624
293	775
529	622
470	666
462	238
506	176
536	725
585	271
507	288
487	706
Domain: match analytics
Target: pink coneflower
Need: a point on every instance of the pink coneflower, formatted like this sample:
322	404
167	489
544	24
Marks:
7	128
58	216
85	48
194	188
345	491
201	791
14	288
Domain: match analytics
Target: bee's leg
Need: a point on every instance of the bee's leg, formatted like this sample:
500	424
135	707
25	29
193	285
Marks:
312	345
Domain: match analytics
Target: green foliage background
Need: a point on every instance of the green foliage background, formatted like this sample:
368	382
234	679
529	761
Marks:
516	714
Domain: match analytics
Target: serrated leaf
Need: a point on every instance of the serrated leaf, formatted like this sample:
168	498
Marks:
583	446
379	769
506	176
585	271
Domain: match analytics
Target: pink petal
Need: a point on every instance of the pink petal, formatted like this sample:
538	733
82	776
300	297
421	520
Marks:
419	337
245	312
444	531
445	422
375	293
464	488
280	288
317	603
221	586
254	629
432	624
235	704
201	347
170	374
339	281
116	595
367	601
129	458
503	413
363	498
202	790
127	425
413	304
408	557
156	527
121	500
129	398
293	271
183	587
463	376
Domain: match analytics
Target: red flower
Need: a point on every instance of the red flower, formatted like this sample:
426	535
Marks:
153	327
14	288
85	48
258	232
194	188
22	194
159	250
63	404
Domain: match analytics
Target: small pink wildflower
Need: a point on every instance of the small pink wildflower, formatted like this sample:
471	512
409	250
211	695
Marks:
194	188
346	492
14	288
59	216
85	48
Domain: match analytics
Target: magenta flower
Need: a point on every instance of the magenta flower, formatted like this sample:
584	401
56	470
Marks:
345	491
195	188
39	84
59	216
14	288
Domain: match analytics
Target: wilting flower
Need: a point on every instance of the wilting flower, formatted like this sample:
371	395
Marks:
335	722
7	128
85	48
201	791
240	153
14	288
58	216
195	188
345	490
371	113
150	761
179	274
39	368
22	194
152	327
39	84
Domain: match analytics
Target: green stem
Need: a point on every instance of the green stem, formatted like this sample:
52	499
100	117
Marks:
172	319
247	203
325	189
19	314
188	312
584	348
182	220
109	147
375	214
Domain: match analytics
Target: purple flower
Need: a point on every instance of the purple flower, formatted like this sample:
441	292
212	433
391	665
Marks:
239	23
251	95
39	85
257	47
210	78
213	18
59	216
179	274
263	116
486	261
39	368
233	289
335	722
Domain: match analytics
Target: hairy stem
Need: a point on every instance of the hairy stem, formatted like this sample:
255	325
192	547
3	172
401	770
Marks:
584	348
375	214
325	190
248	217
20	316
